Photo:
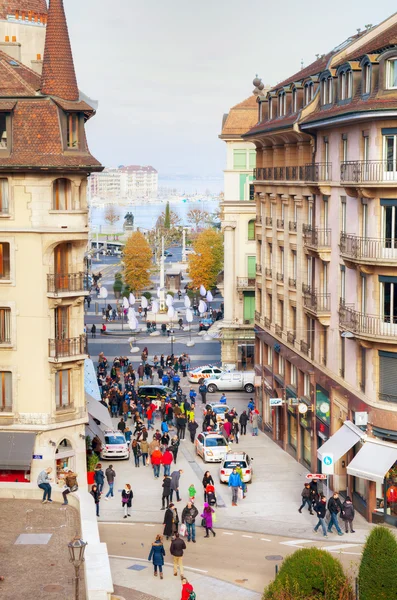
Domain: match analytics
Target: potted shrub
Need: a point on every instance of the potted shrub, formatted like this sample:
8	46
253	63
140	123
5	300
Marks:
117	288
92	461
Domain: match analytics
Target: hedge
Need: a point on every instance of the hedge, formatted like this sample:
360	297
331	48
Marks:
378	568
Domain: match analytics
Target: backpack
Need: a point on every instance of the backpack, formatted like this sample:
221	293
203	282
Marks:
192	596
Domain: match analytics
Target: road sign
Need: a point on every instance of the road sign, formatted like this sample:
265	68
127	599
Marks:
276	401
316	476
37	457
327	464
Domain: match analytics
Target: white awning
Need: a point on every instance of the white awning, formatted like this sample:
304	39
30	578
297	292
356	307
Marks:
344	439
16	450
373	461
95	430
98	411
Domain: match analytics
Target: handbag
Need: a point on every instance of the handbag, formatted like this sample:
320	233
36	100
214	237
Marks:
182	529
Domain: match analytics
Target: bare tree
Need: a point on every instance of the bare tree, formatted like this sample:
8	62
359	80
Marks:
111	215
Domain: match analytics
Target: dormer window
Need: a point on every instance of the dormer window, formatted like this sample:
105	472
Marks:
282	104
294	100
391	74
326	90
3	131
345	85
73	130
270	108
309	92
367	78
260	112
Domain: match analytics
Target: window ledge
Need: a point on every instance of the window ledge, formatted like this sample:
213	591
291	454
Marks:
68	212
345	101
5	215
5	281
6	413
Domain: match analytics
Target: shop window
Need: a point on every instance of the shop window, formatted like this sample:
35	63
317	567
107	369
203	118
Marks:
245	356
64	459
251	230
62	389
5	325
4	260
4	207
73	130
5	391
306	446
292	432
62	194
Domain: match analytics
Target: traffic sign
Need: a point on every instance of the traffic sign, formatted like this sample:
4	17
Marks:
316	476
327	464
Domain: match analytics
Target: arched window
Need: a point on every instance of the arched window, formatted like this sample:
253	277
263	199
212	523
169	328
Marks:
326	90
294	100
251	230
345	84
309	92
62	194
270	108
282	104
367	75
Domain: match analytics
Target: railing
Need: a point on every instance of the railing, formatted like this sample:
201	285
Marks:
293	173
278	330
318	172
355	246
269	221
291	337
268	272
363	324
292	282
305	347
257	316
317	303
293	225
315	237
280	223
280	277
68	282
61	348
258	268
267	322
245	282
368	171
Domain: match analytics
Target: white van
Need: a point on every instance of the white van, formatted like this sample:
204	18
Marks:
236	380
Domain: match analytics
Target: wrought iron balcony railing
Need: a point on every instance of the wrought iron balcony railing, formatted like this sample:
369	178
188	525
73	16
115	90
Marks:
368	171
364	325
356	247
245	282
317	303
67	347
315	237
67	282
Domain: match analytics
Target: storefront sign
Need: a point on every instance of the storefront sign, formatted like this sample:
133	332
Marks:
304	423
316	476
327	464
275	401
323	405
37	457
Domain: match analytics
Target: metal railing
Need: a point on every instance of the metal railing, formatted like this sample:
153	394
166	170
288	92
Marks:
292	282
268	272
318	172
267	322
363	324
316	237
310	172
67	282
280	277
269	221
368	171
291	337
61	348
245	282
280	223
317	303
355	246
293	225
305	347
278	330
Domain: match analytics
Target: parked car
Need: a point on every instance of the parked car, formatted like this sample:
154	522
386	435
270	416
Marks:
232	460
236	380
151	392
212	447
115	446
219	409
205	372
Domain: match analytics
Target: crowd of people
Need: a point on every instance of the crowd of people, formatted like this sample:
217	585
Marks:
317	504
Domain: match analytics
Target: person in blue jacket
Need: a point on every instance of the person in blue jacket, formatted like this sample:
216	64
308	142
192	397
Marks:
235	483
157	554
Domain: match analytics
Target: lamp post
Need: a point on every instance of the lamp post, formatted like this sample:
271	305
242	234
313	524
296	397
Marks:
76	556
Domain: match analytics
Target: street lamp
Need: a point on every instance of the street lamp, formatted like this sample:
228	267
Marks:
76	557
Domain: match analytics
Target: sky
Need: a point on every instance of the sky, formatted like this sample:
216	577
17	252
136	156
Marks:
165	71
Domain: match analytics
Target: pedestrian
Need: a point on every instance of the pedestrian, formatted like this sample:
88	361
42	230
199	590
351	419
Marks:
126	499
192	492
187	590
188	517
235	430
110	476
175	477
166	461
156	458
136	449
70	485
171	521
88	302
145	452
156	555
181	426
334	507
243	422
207	479
321	509
121	425
99	477
348	514
192	427
207	517
306	499
95	493
235	484
203	392
222	399
175	447
314	495
176	549
93	331
165	498
254	421
43	481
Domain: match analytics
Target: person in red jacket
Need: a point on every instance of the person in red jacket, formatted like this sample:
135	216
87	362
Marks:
156	458
150	419
166	460
187	589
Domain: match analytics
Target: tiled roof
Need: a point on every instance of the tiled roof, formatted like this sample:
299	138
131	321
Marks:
59	77
16	79
79	106
273	124
10	7
385	38
241	117
313	69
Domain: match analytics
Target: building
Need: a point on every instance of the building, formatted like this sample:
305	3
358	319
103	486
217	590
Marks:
238	224
124	183
326	307
44	164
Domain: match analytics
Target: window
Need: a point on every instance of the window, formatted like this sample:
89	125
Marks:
240	159
342	284
269	356
281	365
4	197
324	345
308	92
3	131
281	313
5	391
281	257
62	389
4	260
251	230
251	267
391	73
363	293
294	100
364	219
306	385
387	376
269	307
326	90
260	112
342	356
344	147
363	369
5	325
367	79
73	130
282	104
294	376
61	322
62	194
345	85
270	108
343	214
365	147
294	264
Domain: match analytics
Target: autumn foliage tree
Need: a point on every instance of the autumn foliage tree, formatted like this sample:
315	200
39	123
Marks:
204	266
137	262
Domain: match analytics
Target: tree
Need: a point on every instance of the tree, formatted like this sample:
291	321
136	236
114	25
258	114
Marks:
111	215
378	568
137	262
117	287
310	574
205	265
167	217
198	217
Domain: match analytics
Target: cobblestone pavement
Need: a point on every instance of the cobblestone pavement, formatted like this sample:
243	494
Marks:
39	568
129	594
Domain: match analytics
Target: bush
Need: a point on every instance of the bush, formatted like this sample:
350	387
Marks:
147	295
310	574
92	461
170	293
118	275
378	568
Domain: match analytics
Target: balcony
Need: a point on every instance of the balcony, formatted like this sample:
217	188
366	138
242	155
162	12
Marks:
245	283
292	226
368	251
280	224
368	172
280	277
67	348
368	327
292	283
319	305
318	172
68	284
317	241
269	221
268	273
309	172
291	337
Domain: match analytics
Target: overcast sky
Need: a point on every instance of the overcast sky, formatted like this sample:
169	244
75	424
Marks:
165	71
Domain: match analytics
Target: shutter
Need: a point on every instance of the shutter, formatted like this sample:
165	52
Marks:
243	181
252	159
240	159
388	377
251	230
251	261
249	306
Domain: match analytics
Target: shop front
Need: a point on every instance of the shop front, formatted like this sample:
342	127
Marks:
306	440
65	459
292	431
16	455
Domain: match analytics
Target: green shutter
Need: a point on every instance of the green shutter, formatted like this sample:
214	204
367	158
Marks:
249	306
240	159
251	266
251	230
243	181
252	159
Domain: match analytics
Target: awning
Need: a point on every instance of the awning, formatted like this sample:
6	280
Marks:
373	461
344	439
94	429
98	411
16	450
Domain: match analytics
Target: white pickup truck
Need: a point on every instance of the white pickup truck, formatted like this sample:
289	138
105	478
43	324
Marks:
236	380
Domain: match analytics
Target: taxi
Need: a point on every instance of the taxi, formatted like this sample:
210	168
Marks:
115	446
233	460
205	372
211	446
